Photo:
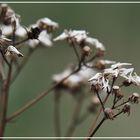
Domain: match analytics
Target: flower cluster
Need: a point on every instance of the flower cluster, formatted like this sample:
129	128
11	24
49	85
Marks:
106	81
81	38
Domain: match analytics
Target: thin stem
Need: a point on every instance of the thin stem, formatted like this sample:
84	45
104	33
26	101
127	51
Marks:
113	82
75	118
4	101
76	52
98	114
20	42
117	114
38	98
57	113
120	104
114	101
95	130
102	104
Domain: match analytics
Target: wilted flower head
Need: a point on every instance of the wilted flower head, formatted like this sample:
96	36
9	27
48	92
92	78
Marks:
99	82
11	50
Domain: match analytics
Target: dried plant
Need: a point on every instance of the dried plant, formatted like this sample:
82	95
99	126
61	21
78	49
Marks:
103	78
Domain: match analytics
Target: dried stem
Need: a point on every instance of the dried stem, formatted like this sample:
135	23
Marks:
75	118
97	116
4	101
39	97
57	96
20	42
102	103
76	52
120	104
95	130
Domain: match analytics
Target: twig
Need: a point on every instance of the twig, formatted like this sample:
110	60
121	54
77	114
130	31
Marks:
75	118
120	104
97	116
57	113
4	101
95	130
39	97
20	42
76	53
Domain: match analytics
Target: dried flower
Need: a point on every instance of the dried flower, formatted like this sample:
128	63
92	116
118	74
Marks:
11	50
99	82
43	38
109	113
47	24
117	92
134	98
126	108
100	64
94	42
120	65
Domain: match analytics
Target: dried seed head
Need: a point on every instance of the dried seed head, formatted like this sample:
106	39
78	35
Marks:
126	108
117	92
86	50
109	113
134	98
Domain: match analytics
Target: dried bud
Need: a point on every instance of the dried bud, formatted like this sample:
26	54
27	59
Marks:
134	98
126	108
11	50
100	64
109	113
117	92
126	83
86	50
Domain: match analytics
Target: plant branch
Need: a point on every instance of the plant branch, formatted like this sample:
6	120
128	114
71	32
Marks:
4	101
75	118
39	97
57	96
95	130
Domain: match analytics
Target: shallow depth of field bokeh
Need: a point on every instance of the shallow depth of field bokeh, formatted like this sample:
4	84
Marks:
117	26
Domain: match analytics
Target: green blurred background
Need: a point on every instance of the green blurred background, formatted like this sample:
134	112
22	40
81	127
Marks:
117	26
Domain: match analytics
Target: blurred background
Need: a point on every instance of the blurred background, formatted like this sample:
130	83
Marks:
117	26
